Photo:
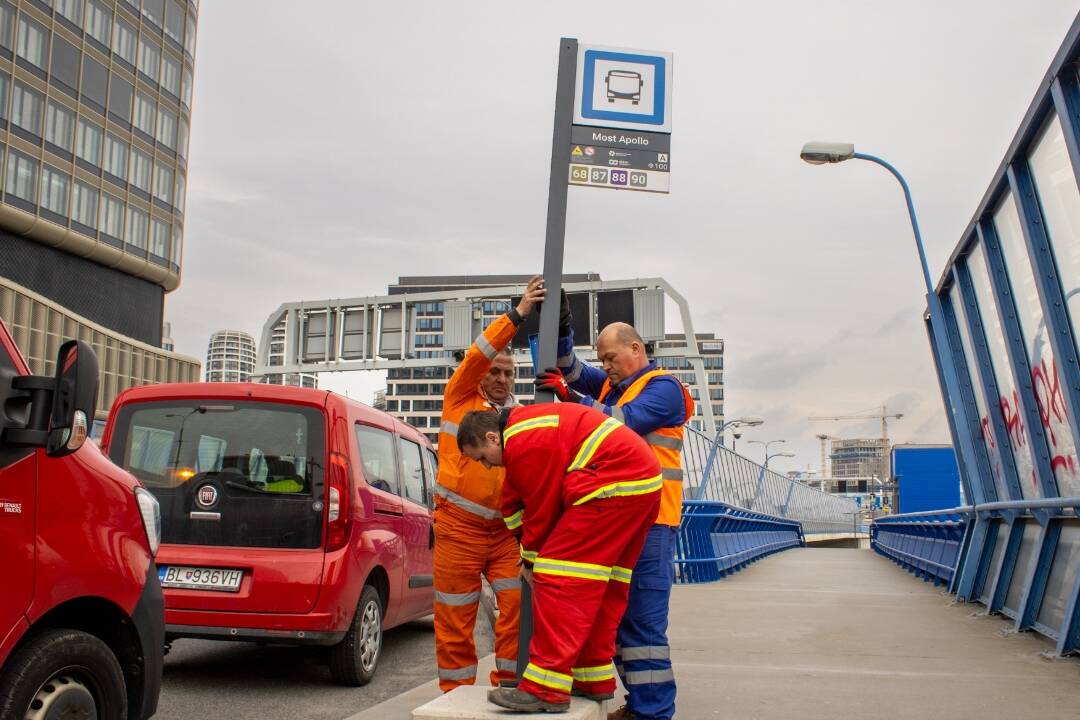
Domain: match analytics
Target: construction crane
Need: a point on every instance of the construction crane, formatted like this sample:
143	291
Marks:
884	415
824	439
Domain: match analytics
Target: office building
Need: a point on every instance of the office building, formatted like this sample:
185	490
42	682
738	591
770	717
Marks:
712	353
230	357
860	458
95	107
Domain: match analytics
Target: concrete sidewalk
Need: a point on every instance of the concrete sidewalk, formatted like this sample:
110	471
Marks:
829	633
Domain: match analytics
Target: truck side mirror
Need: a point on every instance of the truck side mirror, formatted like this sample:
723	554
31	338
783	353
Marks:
74	398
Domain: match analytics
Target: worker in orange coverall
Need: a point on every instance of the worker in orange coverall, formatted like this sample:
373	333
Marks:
583	490
471	539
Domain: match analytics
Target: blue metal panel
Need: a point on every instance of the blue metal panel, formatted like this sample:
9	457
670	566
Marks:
927	478
982	481
1014	341
1059	329
986	380
1035	584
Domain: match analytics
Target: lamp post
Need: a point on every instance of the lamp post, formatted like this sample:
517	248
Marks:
766	444
819	153
746	421
761	472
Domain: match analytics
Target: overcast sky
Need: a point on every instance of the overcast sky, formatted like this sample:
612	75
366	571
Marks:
338	145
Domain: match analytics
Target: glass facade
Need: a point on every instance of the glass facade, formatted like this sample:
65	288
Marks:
95	103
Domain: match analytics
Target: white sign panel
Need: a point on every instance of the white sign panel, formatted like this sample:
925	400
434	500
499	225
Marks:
620	88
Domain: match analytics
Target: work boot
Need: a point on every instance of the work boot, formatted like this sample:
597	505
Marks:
596	697
621	714
521	701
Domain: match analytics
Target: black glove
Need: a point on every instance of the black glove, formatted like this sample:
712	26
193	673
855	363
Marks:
553	381
566	318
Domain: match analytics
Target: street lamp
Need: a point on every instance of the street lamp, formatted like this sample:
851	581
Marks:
819	153
744	421
766	444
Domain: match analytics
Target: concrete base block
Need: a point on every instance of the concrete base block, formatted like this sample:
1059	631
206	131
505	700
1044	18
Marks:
469	702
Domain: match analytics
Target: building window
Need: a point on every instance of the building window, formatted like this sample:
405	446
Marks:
154	10
159	238
141	169
120	94
7	25
89	143
95	83
174	21
116	157
163	183
189	36
177	244
186	93
166	128
149	59
70	9
65	65
27	108
182	139
54	190
85	205
5	88
33	43
112	216
97	21
170	75
180	202
21	181
124	41
59	126
137	226
144	113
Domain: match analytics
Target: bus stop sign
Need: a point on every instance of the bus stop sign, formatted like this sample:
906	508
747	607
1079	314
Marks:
627	89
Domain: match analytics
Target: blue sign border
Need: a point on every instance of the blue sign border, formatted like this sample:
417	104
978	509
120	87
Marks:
659	94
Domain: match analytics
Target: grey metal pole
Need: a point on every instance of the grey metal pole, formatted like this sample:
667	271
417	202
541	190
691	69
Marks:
553	268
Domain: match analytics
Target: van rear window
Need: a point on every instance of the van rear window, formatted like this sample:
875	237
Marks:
241	474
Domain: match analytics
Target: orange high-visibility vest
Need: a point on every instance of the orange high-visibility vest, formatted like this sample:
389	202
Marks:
666	444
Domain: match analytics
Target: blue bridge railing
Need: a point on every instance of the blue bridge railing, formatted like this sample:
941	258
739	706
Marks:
717	539
1018	558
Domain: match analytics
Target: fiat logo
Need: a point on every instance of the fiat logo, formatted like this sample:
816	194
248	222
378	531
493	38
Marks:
207	496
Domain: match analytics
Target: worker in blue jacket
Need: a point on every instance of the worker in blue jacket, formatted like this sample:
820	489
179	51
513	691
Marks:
657	406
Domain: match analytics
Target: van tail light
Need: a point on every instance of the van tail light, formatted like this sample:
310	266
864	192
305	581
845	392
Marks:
337	505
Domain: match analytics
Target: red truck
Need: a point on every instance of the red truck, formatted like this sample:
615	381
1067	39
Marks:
289	515
81	610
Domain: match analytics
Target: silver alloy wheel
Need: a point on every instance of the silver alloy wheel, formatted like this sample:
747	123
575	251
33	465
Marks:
370	636
62	697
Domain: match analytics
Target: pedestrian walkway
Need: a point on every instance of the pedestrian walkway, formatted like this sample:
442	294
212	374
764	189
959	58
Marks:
829	632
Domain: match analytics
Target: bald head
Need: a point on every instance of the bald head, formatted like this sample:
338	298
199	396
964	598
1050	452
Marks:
621	351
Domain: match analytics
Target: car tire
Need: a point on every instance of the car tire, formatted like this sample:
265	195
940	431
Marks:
354	659
60	673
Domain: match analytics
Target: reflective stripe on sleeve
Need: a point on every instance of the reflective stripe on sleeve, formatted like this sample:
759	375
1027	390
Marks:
466	504
465	673
457	599
548	678
529	555
621	574
671	474
648	677
594	674
624	489
663	441
513	583
542	421
513	522
647	652
574	373
617	413
504	665
592	443
450	428
485	347
567	568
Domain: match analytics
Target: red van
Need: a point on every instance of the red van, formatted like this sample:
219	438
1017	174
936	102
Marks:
81	612
289	515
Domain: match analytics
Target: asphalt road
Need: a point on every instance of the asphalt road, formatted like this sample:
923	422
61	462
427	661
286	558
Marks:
242	681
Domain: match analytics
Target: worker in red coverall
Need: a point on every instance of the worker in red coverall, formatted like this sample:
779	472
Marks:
582	489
